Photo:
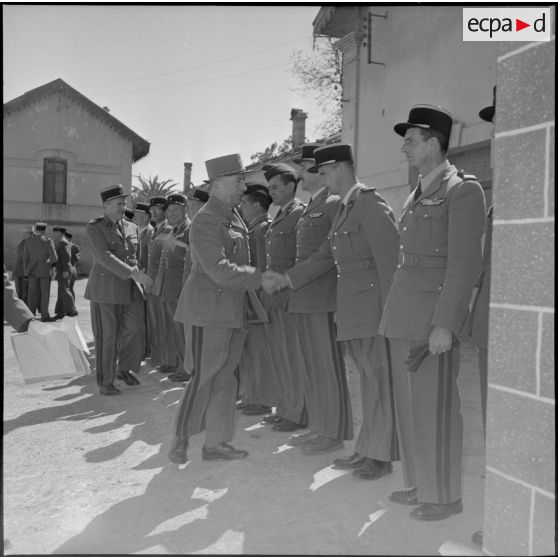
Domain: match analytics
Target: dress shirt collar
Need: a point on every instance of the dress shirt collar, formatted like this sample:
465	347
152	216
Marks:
350	193
427	179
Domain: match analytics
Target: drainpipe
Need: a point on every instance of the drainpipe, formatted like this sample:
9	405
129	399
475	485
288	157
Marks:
358	42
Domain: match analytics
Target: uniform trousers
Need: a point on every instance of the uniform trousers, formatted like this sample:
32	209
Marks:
429	422
208	402
22	287
73	278
173	348
377	438
118	332
39	295
284	352
65	303
155	327
324	376
257	378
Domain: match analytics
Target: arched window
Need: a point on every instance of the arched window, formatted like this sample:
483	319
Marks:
55	180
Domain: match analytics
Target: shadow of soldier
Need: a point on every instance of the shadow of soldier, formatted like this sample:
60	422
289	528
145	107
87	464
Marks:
163	520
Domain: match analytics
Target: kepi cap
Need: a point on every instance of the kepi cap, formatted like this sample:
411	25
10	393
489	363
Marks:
111	192
227	165
176	199
427	117
59	229
40	226
68	234
158	201
142	207
307	152
334	153
129	213
273	169
198	194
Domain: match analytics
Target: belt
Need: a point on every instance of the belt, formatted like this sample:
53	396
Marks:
355	265
415	260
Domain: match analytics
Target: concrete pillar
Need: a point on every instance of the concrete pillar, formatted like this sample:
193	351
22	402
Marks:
519	517
187	176
298	117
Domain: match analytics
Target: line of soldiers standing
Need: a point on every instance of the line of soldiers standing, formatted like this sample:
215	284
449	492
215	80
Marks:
38	258
278	303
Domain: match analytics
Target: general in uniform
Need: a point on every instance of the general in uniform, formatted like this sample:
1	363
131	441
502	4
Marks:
313	306
39	255
362	245
115	291
65	304
282	340
439	261
212	307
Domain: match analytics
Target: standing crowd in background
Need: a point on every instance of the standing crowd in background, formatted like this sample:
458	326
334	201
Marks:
254	313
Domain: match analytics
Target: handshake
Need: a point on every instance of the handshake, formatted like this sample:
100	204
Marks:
273	281
142	278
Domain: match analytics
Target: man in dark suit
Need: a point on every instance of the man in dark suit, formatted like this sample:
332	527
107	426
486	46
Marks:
65	304
362	245
75	251
20	279
212	307
115	290
439	261
39	255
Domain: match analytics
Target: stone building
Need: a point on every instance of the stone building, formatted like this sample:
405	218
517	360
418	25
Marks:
397	56
60	149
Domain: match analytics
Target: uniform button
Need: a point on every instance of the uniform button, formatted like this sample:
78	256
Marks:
411	212
371	284
401	247
398	265
334	234
439	287
404	228
338	275
335	247
436	250
426	214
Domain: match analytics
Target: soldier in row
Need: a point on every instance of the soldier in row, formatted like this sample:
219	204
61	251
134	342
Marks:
64	271
74	260
20	279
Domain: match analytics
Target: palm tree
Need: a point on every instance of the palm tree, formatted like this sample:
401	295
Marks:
149	188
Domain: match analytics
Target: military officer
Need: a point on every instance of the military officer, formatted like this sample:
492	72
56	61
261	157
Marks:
257	384
362	244
171	268
75	251
212	306
39	255
281	336
439	261
16	313
325	379
142	216
155	312
65	303
115	291
20	280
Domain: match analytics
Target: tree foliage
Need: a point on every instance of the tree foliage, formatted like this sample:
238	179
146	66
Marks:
152	187
321	76
273	151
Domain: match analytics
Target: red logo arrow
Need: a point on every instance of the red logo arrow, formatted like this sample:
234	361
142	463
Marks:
519	25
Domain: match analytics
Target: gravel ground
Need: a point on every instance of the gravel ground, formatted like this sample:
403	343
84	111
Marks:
85	474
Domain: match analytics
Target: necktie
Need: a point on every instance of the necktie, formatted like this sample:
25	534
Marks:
418	191
278	214
119	227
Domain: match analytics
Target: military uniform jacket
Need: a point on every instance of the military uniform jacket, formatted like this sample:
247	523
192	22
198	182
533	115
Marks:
172	265
39	255
187	256
312	229
362	245
215	292
257	230
439	258
144	242
155	248
64	254
115	256
18	269
280	248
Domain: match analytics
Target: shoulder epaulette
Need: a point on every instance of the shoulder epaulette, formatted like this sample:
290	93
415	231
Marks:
464	176
96	220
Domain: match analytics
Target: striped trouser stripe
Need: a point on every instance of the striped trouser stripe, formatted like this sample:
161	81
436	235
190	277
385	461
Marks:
443	424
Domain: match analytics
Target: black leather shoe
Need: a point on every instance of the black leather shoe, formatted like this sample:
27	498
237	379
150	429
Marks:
321	445
58	317
373	469
109	390
407	497
240	405
435	512
48	319
286	425
167	369
477	538
127	378
255	409
223	451
177	452
179	377
352	462
72	314
272	419
301	439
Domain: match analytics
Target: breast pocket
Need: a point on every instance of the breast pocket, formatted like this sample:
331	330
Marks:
434	220
352	240
234	244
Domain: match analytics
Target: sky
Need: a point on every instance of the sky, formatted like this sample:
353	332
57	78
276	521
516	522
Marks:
197	82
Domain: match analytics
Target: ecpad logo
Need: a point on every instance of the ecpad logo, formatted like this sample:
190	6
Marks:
506	24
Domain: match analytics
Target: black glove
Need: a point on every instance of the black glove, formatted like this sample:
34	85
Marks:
416	357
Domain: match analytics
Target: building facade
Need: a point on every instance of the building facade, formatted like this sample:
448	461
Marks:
60	149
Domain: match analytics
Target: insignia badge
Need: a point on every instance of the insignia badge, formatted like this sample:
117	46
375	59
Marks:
315	214
432	201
